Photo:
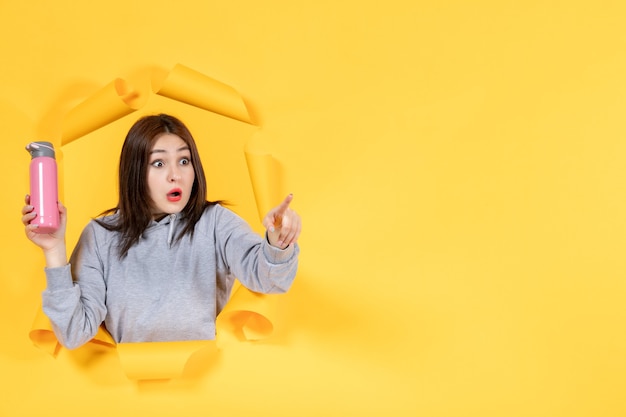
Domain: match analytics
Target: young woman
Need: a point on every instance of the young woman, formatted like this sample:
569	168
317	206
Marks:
160	266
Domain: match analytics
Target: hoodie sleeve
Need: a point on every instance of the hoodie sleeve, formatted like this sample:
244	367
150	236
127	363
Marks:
74	299
257	265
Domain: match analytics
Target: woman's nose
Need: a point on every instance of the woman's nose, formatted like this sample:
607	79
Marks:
174	175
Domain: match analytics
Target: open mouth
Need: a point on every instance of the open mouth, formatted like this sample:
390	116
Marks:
175	195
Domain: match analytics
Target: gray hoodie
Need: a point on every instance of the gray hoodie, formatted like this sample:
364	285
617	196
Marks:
163	290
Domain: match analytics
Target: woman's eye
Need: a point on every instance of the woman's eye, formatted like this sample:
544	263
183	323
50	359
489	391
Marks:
157	163
185	161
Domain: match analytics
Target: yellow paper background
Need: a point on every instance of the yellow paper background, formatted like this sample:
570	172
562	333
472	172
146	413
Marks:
459	168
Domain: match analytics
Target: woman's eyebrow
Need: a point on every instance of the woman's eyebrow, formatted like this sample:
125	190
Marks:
182	148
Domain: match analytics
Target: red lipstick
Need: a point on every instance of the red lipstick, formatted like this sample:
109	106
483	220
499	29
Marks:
175	194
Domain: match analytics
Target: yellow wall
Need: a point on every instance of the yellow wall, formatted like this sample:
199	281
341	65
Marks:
459	169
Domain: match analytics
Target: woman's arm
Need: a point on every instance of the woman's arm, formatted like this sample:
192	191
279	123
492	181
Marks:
75	310
257	264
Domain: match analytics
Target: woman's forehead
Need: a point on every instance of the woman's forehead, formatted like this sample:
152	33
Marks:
169	142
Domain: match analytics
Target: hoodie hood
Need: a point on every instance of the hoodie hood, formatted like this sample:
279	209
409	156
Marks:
170	221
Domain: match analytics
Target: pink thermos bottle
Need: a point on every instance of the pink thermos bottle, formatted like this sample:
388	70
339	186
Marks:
43	186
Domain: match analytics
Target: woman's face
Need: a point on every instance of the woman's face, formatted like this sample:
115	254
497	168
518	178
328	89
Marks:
170	175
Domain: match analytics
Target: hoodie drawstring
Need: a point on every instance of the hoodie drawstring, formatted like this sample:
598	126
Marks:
170	234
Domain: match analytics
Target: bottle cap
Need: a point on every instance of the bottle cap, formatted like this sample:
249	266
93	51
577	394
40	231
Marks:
41	148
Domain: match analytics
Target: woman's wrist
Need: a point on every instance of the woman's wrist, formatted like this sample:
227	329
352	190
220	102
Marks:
56	257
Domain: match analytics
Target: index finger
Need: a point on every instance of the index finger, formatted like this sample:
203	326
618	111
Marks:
282	208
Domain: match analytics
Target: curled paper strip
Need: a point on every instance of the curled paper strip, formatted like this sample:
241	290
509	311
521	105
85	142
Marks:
194	88
119	99
159	360
111	103
249	315
265	175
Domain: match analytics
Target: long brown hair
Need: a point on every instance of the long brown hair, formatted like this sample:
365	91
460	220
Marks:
133	208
